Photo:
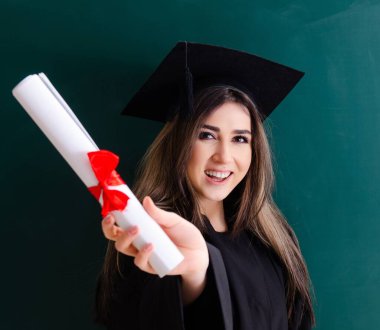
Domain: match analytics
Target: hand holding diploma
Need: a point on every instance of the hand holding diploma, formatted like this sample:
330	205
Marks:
184	235
96	168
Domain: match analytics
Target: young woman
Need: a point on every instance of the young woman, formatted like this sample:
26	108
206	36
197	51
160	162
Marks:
209	179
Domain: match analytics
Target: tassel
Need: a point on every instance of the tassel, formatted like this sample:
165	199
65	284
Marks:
186	103
188	106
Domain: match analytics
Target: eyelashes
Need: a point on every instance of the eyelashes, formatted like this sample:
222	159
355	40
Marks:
204	135
241	139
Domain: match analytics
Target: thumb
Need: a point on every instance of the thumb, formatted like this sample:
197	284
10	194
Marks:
163	218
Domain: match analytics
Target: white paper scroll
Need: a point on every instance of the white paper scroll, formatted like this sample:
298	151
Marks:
60	125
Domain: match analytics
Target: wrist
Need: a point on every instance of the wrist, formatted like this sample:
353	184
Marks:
193	283
192	286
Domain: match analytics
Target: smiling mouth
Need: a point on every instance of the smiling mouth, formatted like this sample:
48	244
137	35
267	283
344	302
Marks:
218	176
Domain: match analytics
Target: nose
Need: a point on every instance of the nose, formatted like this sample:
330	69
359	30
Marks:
222	153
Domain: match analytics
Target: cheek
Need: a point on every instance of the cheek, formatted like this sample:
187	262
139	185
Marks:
194	162
197	156
245	160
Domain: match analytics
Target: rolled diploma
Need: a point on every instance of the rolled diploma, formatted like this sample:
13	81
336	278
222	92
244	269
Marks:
56	120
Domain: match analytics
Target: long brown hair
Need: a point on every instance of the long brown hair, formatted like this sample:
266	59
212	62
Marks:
162	175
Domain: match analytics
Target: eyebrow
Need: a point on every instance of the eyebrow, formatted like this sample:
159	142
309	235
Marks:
236	131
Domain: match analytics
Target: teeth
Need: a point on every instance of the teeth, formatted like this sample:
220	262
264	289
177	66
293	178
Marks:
220	175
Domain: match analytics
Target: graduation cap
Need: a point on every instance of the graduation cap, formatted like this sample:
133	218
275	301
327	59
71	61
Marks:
192	66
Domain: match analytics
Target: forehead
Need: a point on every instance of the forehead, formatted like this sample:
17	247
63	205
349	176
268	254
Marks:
229	114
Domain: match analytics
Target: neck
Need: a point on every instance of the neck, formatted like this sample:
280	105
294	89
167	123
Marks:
214	211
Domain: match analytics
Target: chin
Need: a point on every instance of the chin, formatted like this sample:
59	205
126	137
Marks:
216	197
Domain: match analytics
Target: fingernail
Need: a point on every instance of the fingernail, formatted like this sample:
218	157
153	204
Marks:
148	247
107	219
132	230
149	199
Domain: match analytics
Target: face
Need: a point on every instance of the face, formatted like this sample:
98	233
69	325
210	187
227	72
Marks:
222	153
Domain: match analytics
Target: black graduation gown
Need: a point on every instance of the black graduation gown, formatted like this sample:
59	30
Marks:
245	290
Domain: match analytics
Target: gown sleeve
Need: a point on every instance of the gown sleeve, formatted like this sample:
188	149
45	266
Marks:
142	301
212	309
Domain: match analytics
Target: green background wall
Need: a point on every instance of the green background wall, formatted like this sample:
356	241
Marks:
324	136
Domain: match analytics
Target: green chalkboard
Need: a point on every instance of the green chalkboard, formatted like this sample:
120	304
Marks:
325	139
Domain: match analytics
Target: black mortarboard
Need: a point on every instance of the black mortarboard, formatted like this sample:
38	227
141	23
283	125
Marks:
190	65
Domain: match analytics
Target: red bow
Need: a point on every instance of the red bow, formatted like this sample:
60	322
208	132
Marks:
103	164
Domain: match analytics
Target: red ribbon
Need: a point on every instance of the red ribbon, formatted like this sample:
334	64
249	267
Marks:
103	164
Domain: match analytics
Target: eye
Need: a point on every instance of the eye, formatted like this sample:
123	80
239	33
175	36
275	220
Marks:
205	136
240	139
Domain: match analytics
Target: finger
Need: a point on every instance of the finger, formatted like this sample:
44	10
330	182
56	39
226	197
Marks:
124	242
110	229
142	258
163	218
181	232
